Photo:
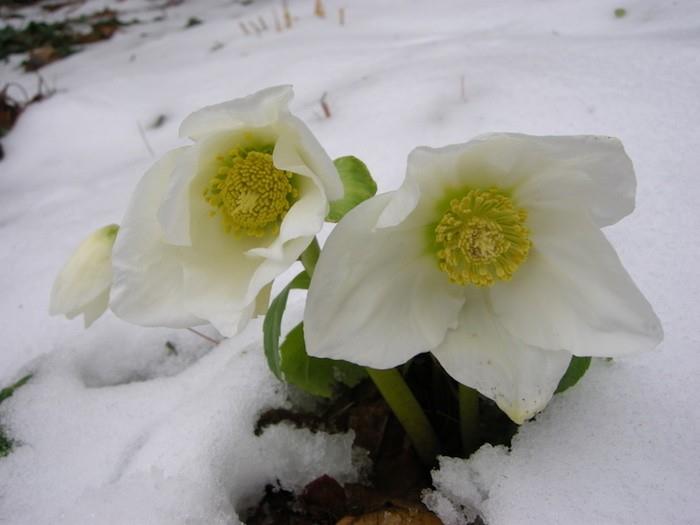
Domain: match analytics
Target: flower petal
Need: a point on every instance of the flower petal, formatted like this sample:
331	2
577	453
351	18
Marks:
257	110
592	172
216	270
573	292
306	216
86	276
376	297
147	286
95	308
481	354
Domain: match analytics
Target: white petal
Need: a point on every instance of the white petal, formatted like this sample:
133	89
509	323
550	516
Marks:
314	156
377	298
591	172
582	171
147	287
481	354
174	210
433	174
573	292
86	276
216	270
257	110
271	268
306	216
93	310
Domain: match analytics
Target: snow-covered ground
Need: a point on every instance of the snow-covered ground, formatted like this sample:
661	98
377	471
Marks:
114	429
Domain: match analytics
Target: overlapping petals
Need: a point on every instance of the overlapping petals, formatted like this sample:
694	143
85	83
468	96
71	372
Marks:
174	263
379	297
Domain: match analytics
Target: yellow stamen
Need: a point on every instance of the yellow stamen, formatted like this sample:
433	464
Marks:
250	193
482	237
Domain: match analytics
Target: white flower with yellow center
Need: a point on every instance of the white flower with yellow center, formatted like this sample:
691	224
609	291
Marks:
211	225
82	286
490	256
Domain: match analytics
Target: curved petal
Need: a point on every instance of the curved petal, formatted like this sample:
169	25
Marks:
86	276
174	210
500	159
481	354
306	216
573	292
585	171
147	284
377	298
593	172
95	308
257	110
271	268
314	156
216	270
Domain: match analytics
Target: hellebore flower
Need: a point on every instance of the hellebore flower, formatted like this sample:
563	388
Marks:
211	225
490	256
82	286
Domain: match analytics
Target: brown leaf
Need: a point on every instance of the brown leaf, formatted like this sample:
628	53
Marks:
324	496
40	56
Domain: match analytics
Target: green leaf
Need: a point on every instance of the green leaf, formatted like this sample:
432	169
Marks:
6	443
577	367
358	183
8	391
315	375
273	322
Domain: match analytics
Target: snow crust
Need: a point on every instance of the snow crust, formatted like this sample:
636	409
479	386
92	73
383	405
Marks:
114	429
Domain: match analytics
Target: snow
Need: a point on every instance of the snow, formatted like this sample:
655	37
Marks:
114	429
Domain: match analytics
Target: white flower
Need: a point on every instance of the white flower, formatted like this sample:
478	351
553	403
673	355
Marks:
490	255
82	286
211	225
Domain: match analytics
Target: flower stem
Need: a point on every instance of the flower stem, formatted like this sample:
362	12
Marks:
469	419
309	257
407	410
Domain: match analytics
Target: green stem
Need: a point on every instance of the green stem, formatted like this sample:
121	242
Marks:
309	257
469	419
407	410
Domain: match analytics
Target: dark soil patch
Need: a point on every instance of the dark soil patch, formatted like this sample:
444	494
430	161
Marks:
398	477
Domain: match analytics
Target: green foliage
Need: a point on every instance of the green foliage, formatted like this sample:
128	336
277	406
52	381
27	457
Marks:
620	12
193	21
37	34
5	442
577	367
272	325
313	374
290	362
57	39
358	183
8	391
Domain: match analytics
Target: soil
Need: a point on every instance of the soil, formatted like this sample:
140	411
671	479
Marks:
397	479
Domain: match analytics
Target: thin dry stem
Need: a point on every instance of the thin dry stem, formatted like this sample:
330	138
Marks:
204	336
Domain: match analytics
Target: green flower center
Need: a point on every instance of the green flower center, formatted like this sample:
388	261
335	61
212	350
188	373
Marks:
482	237
250	193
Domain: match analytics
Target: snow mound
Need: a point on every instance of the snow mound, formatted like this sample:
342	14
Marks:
178	448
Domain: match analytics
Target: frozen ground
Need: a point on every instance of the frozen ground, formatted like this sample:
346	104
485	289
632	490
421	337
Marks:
113	429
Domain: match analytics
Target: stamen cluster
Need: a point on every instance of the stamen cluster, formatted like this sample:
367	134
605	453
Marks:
250	193
482	237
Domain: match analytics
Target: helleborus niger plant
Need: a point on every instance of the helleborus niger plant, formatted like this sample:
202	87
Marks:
490	257
212	224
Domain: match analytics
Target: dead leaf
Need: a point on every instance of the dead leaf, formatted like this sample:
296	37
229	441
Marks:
39	57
